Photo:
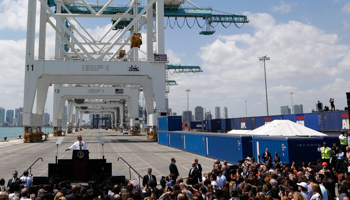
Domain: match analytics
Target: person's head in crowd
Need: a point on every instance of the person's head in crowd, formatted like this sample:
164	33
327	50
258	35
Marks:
58	195
302	186
343	190
267	187
319	178
298	196
212	177
162	182
136	195
207	182
260	196
24	192
273	182
4	195
269	197
327	175
171	177
154	196
316	189
173	160
117	197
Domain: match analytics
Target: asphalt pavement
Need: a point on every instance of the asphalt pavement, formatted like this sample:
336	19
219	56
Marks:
140	152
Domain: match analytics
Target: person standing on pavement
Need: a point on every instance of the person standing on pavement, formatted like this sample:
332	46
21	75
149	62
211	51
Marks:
148	176
266	155
325	152
173	168
199	167
193	175
343	141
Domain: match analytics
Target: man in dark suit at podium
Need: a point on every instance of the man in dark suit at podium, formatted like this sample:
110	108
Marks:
148	177
78	145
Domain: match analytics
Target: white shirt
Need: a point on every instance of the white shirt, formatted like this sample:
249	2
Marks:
27	181
76	146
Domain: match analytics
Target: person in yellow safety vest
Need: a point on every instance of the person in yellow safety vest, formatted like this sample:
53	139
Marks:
325	152
343	141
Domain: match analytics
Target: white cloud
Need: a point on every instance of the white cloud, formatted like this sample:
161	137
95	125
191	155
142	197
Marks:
304	60
13	14
346	8
283	8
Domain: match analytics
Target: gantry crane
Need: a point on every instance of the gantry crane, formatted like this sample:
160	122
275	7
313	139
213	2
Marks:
80	57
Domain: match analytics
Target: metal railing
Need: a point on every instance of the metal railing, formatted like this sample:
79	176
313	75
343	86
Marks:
30	168
140	177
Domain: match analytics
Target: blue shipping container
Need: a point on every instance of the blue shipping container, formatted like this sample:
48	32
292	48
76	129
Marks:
297	149
197	125
195	143
229	124
214	125
176	140
228	147
261	121
223	125
170	123
335	121
163	138
247	123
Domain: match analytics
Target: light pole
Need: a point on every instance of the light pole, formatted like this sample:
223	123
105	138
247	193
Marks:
264	58
246	115
291	98
188	99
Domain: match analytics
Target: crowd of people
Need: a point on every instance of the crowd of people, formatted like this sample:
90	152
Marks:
251	179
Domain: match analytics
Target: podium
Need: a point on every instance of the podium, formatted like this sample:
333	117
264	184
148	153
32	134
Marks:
80	163
80	168
79	155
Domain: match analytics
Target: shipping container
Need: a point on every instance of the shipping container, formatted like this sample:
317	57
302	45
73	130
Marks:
223	125
247	123
195	143
335	121
170	123
197	125
310	120
213	125
163	138
261	121
297	149
176	140
228	147
229	124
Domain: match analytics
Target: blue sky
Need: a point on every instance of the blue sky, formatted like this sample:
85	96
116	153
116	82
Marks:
308	43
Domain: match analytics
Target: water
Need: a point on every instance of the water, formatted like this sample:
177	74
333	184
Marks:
14	132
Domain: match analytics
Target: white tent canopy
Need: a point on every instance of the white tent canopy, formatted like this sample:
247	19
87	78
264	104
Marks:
283	128
235	131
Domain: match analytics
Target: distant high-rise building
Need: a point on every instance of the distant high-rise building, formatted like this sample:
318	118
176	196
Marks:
20	119
9	116
298	109
18	112
208	116
225	113
46	119
198	113
187	116
217	112
2	115
285	110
